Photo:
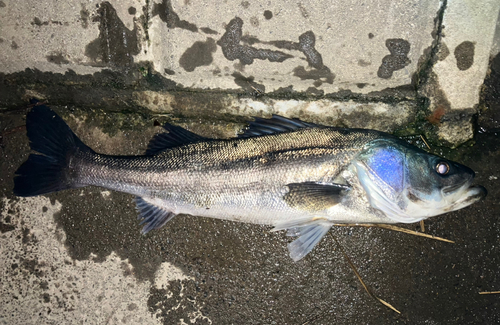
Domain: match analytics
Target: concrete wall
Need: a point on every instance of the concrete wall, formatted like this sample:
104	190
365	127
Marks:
124	54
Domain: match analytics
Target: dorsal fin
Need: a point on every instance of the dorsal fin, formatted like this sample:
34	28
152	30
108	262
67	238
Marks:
276	124
176	136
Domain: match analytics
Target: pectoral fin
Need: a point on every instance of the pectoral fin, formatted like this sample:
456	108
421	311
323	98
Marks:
314	196
309	233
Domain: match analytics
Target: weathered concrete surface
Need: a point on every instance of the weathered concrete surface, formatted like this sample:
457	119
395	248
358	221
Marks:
468	35
77	256
123	55
466	40
311	44
345	45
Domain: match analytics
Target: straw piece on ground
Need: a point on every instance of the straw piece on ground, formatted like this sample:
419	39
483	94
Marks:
351	264
395	228
422	226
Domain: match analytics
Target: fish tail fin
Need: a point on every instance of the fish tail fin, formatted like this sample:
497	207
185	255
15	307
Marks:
47	170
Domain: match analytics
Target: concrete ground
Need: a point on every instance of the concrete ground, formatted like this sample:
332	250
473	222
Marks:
77	256
114	70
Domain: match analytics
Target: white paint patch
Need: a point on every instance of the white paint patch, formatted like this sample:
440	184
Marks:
105	194
388	116
41	284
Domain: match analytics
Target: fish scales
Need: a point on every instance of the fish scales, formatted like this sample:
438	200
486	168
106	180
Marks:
236	173
286	173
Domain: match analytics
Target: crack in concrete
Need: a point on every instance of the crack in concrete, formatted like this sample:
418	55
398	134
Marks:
431	54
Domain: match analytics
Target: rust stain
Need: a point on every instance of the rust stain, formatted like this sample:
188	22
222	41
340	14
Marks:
435	117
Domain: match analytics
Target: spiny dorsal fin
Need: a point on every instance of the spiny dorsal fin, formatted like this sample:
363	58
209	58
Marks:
152	216
176	136
313	196
276	124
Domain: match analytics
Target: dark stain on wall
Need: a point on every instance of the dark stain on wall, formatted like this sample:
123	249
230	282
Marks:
37	22
443	51
363	63
248	83
320	72
199	54
268	14
232	49
14	45
319	75
312	91
84	17
303	10
250	40
397	60
464	53
2	4
207	30
116	44
106	88
306	45
57	58
169	72
254	21
166	13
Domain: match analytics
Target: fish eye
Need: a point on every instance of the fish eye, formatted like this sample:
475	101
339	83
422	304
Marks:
442	168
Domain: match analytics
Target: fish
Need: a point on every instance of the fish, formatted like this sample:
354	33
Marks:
286	173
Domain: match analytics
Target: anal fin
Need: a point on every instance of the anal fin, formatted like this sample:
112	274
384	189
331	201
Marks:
309	234
152	216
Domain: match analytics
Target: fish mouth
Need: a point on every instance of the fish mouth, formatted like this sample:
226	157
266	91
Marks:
469	195
476	193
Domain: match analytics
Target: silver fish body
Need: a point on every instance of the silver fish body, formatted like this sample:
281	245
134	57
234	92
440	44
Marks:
285	173
243	179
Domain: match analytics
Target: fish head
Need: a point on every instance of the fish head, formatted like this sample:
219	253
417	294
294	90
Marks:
409	184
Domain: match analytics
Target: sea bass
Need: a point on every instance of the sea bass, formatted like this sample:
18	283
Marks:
286	173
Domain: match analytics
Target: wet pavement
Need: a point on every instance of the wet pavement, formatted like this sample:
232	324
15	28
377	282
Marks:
77	256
